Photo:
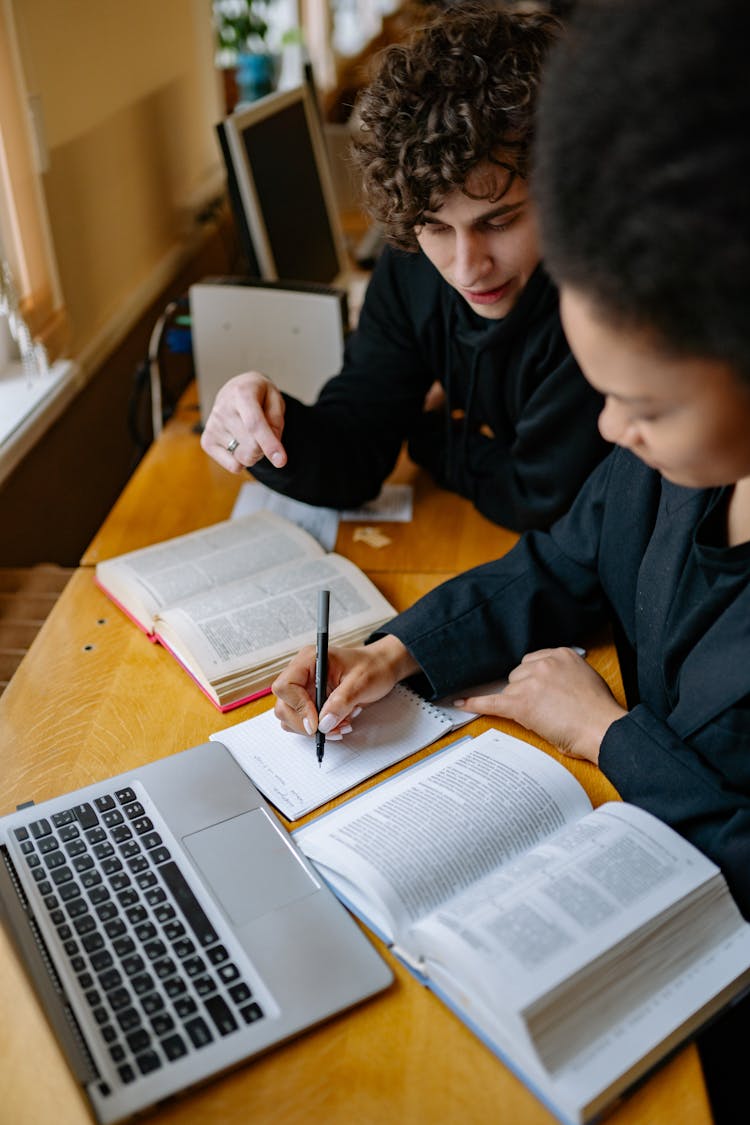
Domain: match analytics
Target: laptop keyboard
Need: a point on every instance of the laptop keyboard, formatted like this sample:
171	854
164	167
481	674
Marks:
149	965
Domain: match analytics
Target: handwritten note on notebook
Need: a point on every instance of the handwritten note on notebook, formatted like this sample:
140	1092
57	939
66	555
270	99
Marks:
284	768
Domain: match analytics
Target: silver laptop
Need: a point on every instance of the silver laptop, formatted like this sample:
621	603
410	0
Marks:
172	929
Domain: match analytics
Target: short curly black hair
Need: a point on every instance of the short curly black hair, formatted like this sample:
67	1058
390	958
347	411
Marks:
460	91
642	167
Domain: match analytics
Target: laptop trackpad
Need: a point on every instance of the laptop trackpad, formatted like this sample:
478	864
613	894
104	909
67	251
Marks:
248	866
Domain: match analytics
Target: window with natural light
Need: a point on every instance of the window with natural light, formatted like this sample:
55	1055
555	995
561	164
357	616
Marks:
34	381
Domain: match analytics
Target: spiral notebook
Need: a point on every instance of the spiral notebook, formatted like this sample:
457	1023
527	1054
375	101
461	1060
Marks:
284	767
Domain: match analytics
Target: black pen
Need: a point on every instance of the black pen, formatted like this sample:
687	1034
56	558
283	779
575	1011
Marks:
321	666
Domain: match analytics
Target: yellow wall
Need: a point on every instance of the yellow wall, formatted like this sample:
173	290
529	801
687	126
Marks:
129	97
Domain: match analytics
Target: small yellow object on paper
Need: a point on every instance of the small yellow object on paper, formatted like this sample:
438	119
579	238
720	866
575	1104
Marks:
372	536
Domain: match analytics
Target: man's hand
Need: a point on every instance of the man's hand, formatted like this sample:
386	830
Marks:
555	693
356	676
246	424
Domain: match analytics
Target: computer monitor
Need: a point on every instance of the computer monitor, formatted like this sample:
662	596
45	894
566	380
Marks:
281	189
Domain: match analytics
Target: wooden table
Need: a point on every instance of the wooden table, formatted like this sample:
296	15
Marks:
178	488
93	697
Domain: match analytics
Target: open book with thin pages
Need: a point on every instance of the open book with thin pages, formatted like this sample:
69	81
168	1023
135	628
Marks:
233	602
582	946
171	928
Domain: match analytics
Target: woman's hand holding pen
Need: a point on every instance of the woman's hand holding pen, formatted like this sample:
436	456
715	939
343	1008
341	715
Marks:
246	423
556	694
356	676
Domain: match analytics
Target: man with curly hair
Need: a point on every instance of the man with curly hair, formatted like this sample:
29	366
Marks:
459	347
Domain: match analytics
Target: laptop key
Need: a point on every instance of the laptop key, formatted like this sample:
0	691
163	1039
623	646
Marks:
240	993
173	1047
199	1032
101	961
185	1006
221	1014
129	1019
86	815
164	967
142	983
134	963
188	903
174	987
154	950
161	1023
148	1062
119	998
217	954
251	1012
152	1003
193	966
109	979
228	972
124	946
138	1040
204	985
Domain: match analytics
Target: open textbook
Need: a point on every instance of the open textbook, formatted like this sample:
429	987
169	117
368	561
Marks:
284	766
233	602
582	946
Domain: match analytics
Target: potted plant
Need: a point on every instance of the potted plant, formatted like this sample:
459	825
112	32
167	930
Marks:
241	30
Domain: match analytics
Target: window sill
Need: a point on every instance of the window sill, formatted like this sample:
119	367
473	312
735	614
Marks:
29	405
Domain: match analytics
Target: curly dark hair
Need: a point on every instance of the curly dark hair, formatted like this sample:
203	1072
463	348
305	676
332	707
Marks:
461	91
642	169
